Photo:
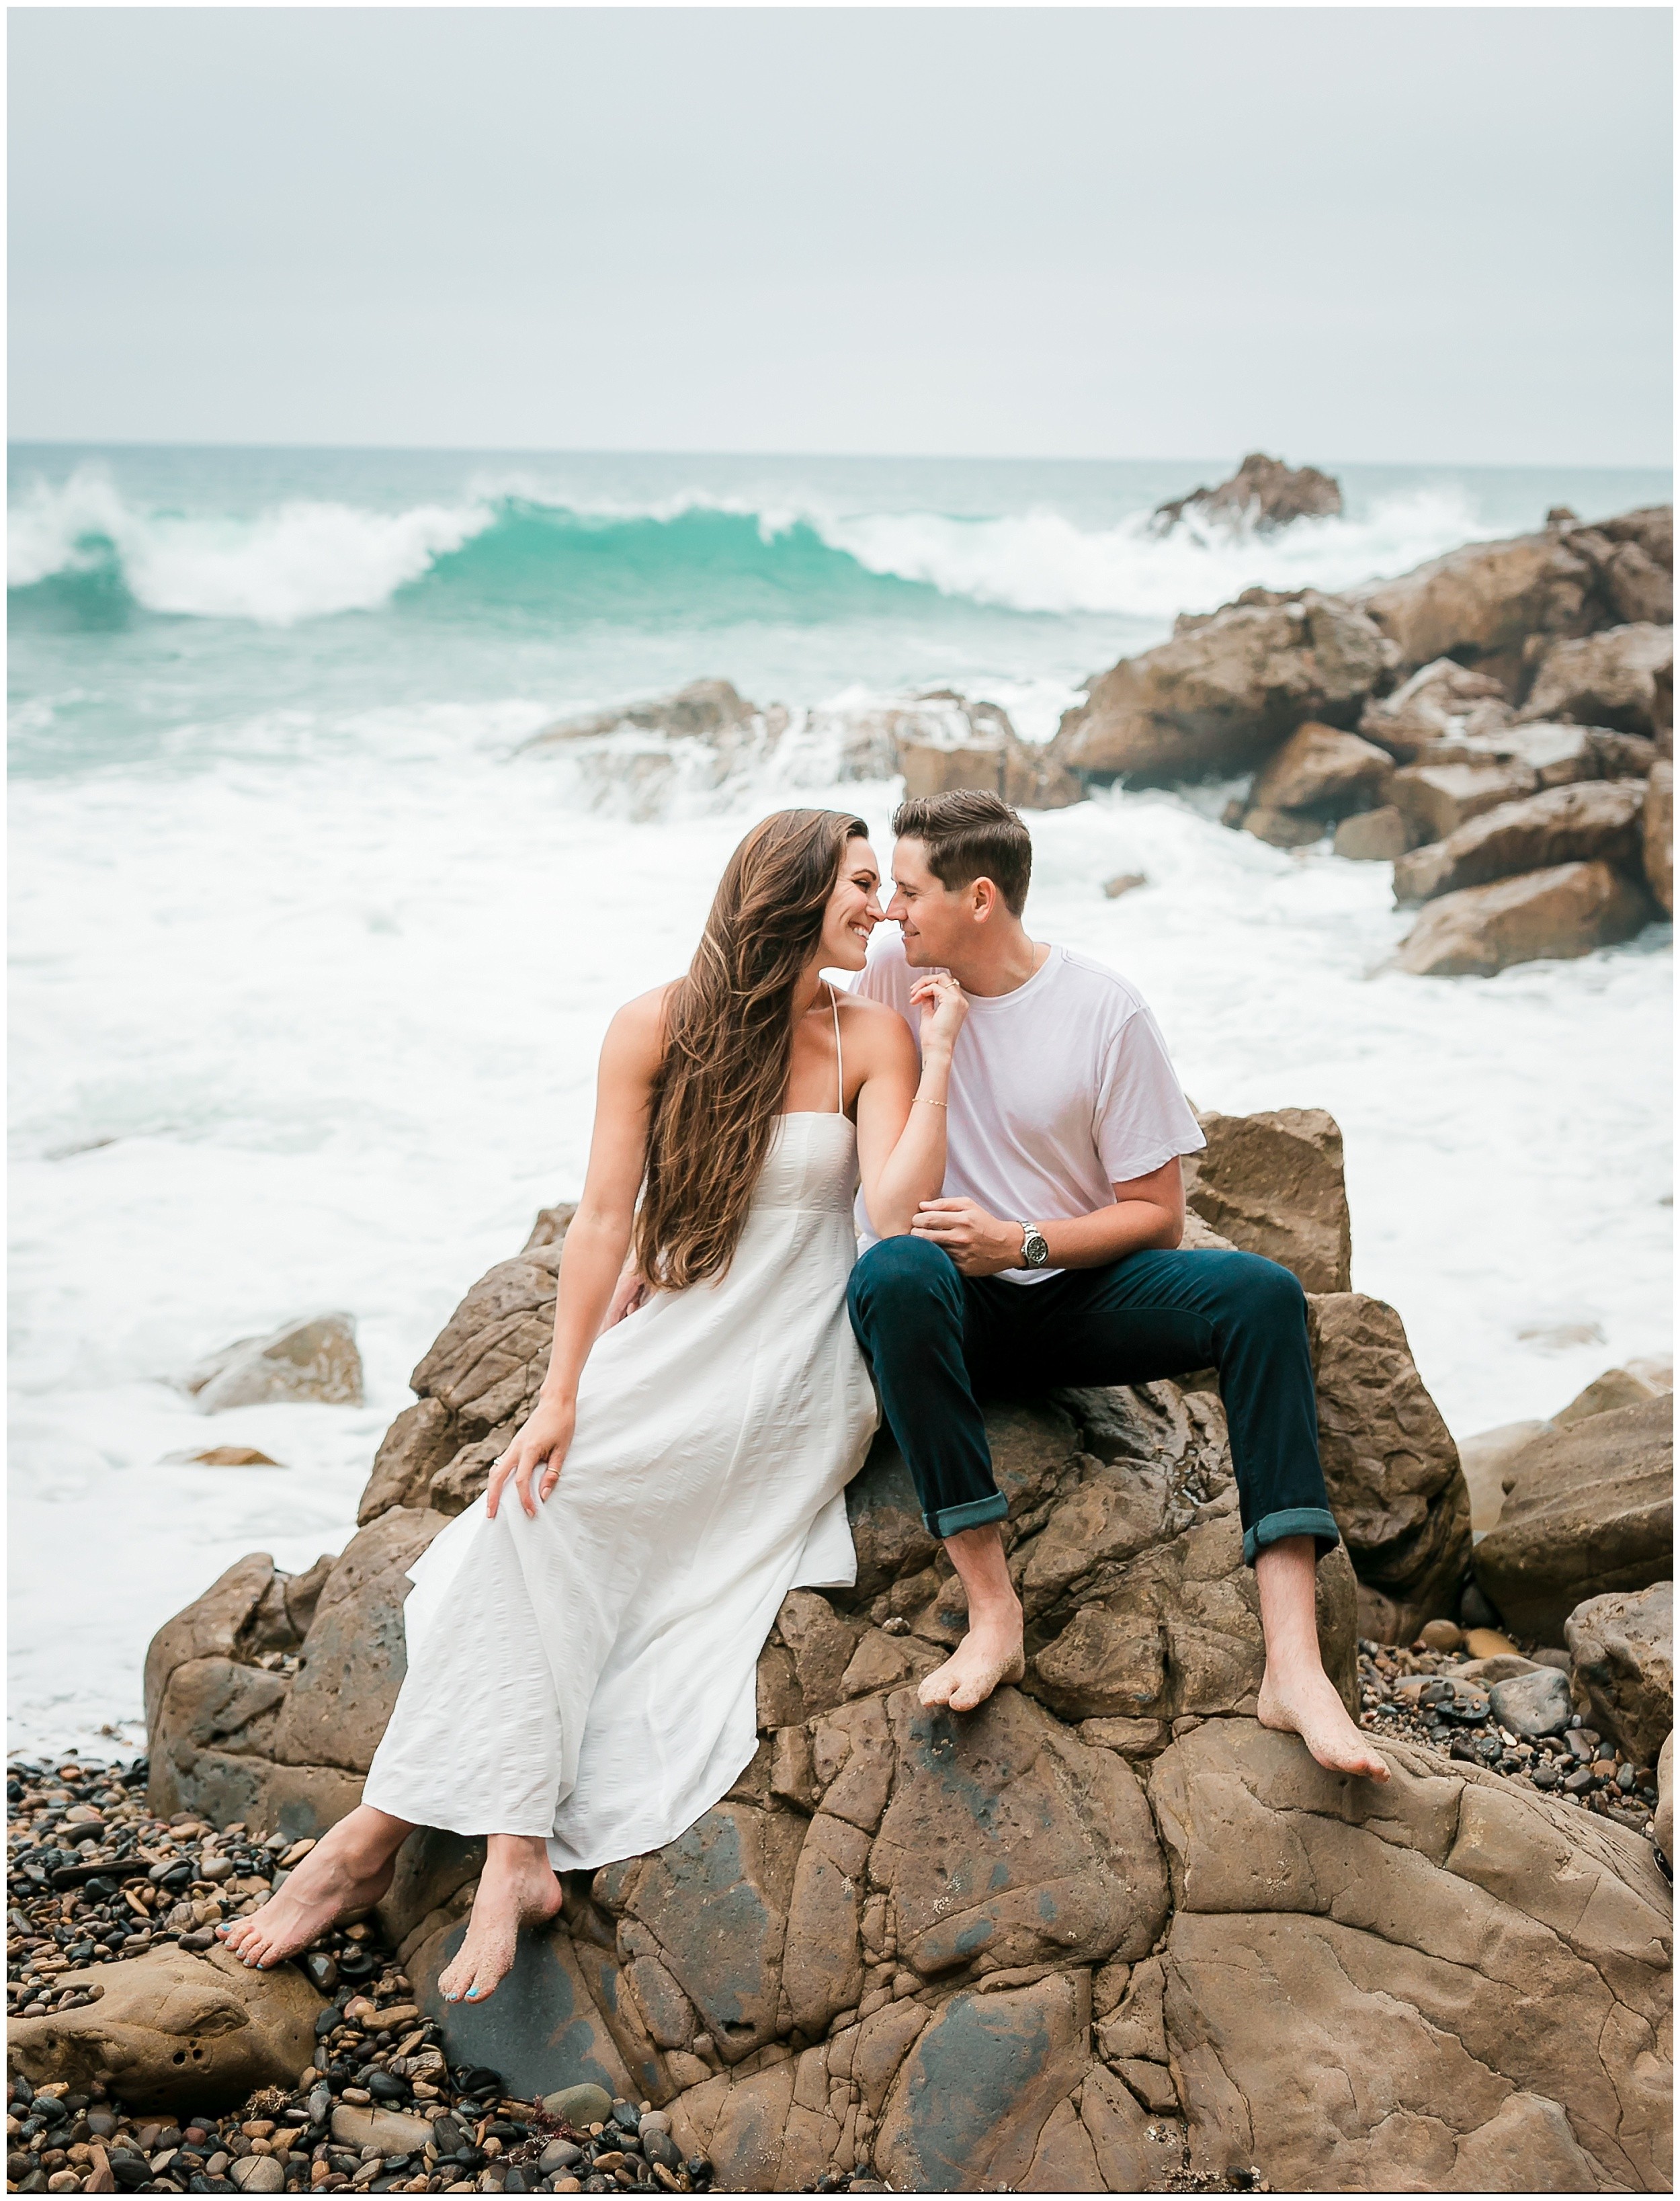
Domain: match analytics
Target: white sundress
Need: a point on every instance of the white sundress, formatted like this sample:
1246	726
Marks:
590	1676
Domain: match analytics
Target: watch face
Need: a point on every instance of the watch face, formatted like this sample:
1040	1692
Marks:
1035	1249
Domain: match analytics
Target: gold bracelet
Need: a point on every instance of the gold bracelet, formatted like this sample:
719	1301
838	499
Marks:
927	1103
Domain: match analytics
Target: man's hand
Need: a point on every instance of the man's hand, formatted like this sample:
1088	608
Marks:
977	1243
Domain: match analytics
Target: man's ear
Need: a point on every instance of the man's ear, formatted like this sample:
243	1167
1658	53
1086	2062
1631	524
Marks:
983	899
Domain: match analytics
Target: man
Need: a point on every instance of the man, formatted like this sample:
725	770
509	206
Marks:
1053	1258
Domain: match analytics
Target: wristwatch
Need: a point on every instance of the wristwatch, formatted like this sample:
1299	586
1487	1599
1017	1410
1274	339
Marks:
1034	1252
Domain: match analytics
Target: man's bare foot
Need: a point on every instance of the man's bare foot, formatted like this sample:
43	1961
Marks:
348	1869
1310	1708
989	1655
518	1888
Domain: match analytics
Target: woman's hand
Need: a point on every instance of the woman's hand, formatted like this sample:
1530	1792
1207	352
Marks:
943	1005
539	1450
630	1293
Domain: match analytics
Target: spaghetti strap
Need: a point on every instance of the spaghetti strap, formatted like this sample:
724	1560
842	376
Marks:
839	1059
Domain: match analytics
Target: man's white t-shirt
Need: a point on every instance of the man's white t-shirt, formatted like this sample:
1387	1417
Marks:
1059	1091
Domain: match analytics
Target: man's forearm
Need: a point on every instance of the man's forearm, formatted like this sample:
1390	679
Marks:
1129	1226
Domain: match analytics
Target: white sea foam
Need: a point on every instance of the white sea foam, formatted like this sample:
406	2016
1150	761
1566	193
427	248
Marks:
1040	562
318	1029
301	559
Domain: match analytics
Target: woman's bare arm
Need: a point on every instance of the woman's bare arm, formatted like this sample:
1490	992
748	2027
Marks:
900	1114
596	1242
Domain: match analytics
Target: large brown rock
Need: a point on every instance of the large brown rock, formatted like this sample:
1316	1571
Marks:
1444	1984
1272	1183
1224	689
1562	826
353	1659
1391	1466
173	2031
1605	679
1590	1510
1480	604
1657	835
1623	1647
1323	771
1140	1610
1563	911
1490	1463
1439	701
1263	494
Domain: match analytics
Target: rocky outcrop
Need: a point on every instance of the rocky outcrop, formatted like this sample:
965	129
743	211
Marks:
1263	494
1495	606
647	759
933	1946
1564	912
1331	2008
314	1359
1606	679
1272	1183
1657	835
173	2031
1590	1511
1391	1466
1226	689
1595	818
1623	1647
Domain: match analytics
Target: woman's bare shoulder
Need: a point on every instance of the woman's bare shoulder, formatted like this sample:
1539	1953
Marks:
876	1027
638	1030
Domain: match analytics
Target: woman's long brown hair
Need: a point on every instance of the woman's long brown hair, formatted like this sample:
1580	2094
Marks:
729	1044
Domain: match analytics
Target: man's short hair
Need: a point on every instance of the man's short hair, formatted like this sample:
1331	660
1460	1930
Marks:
970	835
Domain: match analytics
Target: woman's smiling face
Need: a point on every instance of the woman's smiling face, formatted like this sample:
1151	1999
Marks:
854	909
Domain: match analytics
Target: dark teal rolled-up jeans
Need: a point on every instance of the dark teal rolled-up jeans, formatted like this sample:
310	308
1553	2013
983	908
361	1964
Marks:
938	1342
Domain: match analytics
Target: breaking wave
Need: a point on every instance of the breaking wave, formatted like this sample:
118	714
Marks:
81	553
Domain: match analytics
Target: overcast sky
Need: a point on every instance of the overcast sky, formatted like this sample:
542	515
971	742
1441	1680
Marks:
1403	234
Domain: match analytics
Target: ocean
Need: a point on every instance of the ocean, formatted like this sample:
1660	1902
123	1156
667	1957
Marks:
309	967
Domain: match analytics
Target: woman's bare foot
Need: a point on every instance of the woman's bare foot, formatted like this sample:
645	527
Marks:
1308	1706
989	1655
518	1888
348	1869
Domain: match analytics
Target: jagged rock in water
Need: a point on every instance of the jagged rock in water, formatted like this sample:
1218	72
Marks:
314	1359
1563	912
1263	494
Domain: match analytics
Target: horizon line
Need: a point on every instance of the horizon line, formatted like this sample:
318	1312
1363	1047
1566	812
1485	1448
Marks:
931	458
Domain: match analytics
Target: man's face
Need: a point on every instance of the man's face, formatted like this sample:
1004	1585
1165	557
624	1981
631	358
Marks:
930	915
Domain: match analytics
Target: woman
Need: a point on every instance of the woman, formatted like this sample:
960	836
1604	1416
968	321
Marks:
582	1660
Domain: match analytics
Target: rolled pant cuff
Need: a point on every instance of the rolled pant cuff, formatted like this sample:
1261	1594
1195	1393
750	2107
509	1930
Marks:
951	1520
1295	1521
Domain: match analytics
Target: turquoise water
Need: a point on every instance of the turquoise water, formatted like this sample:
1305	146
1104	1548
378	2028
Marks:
309	968
164	601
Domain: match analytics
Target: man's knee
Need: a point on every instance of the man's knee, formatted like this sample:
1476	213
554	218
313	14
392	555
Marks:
905	1281
1260	1294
